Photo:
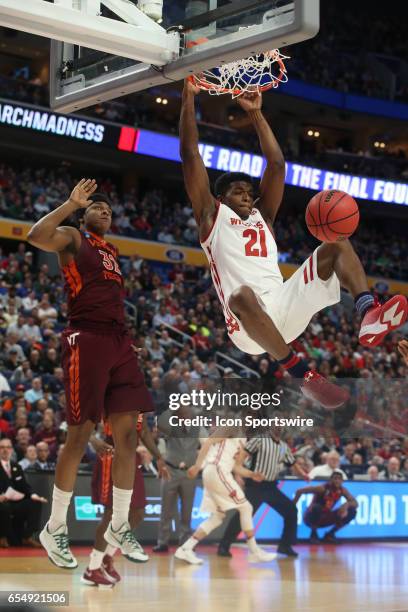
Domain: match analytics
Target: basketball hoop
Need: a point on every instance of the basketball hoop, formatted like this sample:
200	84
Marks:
256	73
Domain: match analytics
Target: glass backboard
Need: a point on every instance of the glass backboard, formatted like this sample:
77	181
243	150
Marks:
212	32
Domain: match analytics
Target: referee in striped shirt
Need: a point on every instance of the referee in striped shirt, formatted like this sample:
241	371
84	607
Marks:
268	453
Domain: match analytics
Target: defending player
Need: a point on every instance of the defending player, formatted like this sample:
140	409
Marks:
223	458
101	371
263	313
101	571
320	513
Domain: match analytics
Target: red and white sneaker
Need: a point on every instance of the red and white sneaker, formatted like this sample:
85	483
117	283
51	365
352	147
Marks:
107	564
98	578
382	319
317	388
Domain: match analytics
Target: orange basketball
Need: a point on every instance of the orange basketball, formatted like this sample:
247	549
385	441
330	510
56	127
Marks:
332	215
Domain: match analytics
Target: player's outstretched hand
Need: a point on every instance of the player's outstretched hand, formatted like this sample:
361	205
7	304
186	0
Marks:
193	472
258	477
250	101
189	87
403	349
81	192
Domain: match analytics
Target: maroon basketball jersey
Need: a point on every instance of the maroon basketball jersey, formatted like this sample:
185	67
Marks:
328	498
94	284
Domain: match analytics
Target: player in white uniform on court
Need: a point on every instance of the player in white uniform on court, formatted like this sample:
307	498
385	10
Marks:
222	458
262	312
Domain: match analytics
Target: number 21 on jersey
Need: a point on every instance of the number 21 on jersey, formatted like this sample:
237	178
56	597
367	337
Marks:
256	245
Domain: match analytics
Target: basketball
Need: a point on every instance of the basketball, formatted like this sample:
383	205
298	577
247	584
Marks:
332	215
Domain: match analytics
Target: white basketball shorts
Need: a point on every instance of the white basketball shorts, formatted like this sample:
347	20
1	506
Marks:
292	306
221	490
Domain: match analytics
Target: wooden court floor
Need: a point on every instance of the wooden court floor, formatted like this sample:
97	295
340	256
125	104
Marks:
349	577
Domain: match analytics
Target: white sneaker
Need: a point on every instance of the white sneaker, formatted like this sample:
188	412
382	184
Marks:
124	539
261	556
57	546
188	555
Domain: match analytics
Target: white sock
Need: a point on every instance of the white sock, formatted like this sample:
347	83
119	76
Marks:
252	545
120	506
190	544
95	559
59	508
110	550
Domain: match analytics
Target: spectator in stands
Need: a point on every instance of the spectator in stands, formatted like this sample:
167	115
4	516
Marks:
373	473
392	471
47	432
347	457
20	422
12	361
30	331
45	310
20	508
29	458
35	392
56	383
43	456
29	302
22	442
50	361
22	375
17	328
356	467
325	471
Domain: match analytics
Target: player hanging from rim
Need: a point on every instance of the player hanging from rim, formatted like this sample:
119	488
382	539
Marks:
263	313
101	571
101	371
223	457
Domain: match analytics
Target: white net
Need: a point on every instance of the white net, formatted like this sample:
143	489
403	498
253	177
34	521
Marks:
253	74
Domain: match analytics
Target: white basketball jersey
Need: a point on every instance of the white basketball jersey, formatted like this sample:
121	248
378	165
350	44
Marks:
224	453
241	253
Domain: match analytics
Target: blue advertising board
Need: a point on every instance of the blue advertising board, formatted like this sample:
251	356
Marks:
382	511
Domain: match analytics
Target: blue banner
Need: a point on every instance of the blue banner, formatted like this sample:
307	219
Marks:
232	160
382	511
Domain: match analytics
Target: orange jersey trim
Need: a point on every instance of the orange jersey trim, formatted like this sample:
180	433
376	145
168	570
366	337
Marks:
73	278
106	477
73	373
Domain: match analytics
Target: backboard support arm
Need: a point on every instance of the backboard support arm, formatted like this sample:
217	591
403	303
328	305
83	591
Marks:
141	39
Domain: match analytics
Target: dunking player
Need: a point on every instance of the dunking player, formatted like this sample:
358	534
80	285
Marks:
101	371
262	313
223	457
101	570
321	512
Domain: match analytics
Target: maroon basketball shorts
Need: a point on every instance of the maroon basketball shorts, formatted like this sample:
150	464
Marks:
101	376
102	483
